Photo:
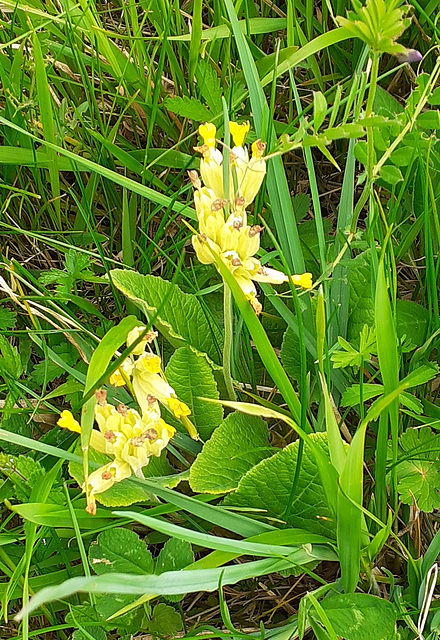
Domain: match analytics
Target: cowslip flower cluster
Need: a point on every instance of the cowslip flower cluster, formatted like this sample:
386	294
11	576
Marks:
222	217
142	369
128	437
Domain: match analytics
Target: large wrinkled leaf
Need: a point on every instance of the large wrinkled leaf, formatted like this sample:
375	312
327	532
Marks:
360	616
236	446
191	377
267	486
181	319
121	551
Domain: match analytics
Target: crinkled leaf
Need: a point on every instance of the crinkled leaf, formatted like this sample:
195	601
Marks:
267	487
191	377
120	551
182	319
109	604
236	446
67	352
209	85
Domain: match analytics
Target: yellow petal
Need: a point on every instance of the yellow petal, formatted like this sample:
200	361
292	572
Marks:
117	379
304	280
208	131
67	421
238	132
151	363
178	408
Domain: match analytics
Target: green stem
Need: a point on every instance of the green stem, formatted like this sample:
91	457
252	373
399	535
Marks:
373	84
227	347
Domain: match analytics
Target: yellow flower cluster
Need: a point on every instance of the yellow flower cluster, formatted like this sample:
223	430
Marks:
227	235
143	369
123	434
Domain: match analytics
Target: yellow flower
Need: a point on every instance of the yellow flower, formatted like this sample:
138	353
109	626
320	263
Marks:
102	479
239	132
249	172
304	280
208	131
180	409
126	436
147	339
67	421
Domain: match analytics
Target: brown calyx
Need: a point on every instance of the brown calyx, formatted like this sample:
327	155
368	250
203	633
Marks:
122	409
101	397
254	230
218	204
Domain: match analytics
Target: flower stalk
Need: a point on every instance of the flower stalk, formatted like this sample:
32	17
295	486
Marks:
227	345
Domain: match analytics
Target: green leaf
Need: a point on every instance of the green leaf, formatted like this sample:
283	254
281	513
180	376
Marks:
361	306
175	555
209	85
165	621
384	100
109	604
412	321
191	377
16	423
419	478
7	319
187	107
97	633
182	319
290	355
120	551
267	487
390	174
360	616
236	446
67	352
319	109
348	356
